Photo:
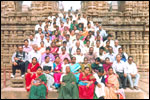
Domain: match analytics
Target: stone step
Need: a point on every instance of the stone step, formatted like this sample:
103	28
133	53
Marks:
17	85
21	93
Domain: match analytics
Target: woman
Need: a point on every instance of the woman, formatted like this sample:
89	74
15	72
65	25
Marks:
84	33
86	84
54	49
75	68
32	67
107	65
85	64
112	85
42	48
57	71
38	89
68	89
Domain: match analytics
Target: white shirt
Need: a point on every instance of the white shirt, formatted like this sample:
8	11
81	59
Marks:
67	50
47	64
32	42
67	24
61	78
79	58
110	56
81	43
47	43
112	43
34	54
131	68
86	49
96	49
37	37
119	67
64	67
37	27
101	56
103	33
115	49
75	48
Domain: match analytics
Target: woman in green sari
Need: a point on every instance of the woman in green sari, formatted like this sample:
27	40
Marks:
68	89
38	89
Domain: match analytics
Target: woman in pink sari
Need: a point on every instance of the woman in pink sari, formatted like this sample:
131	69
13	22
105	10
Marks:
32	67
112	85
107	65
54	49
57	71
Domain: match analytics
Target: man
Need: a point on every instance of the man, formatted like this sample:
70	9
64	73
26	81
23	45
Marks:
64	45
47	53
27	48
96	28
102	32
35	53
120	70
31	40
110	54
44	23
101	54
89	21
116	47
86	47
73	52
109	38
96	48
78	39
39	25
91	55
37	36
123	54
18	60
132	73
96	65
79	56
42	38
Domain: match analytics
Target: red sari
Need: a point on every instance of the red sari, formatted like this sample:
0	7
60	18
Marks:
54	50
29	77
84	92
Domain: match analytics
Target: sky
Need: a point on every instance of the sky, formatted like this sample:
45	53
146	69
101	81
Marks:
67	4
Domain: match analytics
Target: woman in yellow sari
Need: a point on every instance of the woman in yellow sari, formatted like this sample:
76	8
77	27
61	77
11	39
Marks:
112	84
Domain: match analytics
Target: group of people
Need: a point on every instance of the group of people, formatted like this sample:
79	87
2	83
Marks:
77	57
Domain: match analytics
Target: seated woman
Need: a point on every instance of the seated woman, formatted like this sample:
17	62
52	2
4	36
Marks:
85	64
41	49
57	71
54	49
107	65
68	89
32	67
38	89
49	75
86	84
75	68
112	84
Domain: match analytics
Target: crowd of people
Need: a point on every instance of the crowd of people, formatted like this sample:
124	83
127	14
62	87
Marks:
72	54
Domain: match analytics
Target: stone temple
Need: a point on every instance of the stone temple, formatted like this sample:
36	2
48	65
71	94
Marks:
127	21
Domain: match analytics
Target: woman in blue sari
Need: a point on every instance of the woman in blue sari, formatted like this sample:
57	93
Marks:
75	68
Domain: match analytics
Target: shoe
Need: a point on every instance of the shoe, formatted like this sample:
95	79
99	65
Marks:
131	88
22	76
12	76
136	87
101	97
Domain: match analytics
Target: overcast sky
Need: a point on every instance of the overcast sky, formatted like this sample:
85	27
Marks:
67	4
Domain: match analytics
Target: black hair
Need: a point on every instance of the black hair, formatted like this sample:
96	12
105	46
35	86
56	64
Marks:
101	70
86	68
101	48
46	57
26	40
110	68
85	58
63	48
72	57
107	58
64	42
107	41
47	48
109	35
120	48
66	59
78	49
34	58
39	67
130	57
97	59
98	41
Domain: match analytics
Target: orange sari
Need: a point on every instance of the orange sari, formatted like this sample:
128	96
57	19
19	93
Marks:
110	91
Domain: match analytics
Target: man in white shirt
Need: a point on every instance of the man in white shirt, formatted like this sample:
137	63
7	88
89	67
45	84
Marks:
31	40
86	47
120	70
96	28
35	53
96	48
116	47
42	38
91	22
132	73
109	38
84	19
110	54
37	36
73	52
123	54
102	32
78	39
79	56
39	25
44	23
